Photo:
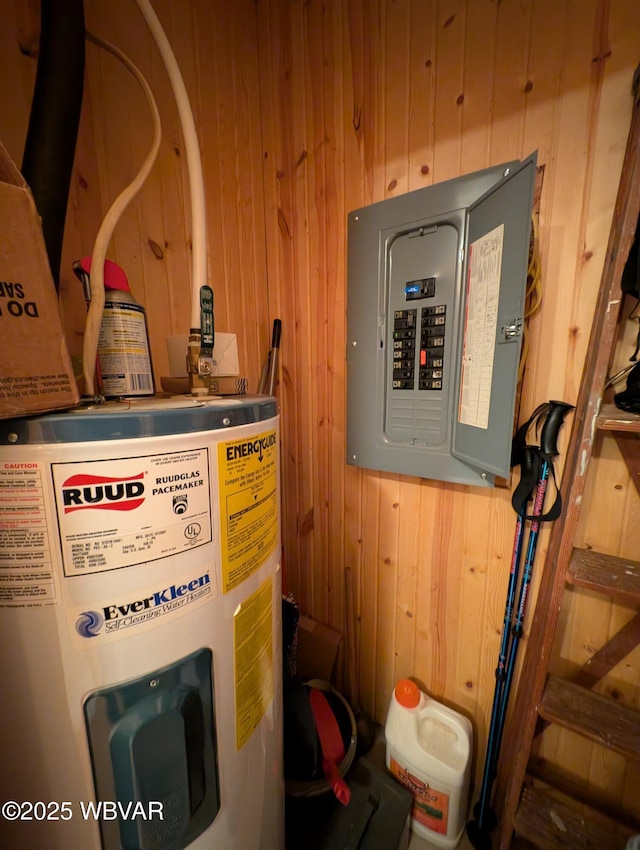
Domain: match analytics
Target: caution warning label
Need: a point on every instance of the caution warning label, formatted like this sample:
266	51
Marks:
26	560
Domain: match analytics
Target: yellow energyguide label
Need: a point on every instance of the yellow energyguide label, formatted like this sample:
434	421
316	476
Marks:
253	660
248	475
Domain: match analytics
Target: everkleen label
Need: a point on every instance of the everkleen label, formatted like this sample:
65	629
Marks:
121	616
430	805
119	513
248	505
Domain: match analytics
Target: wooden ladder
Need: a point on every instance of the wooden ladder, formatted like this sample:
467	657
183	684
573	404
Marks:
531	811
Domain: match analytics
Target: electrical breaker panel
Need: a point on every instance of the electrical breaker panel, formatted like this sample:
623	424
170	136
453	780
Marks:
436	292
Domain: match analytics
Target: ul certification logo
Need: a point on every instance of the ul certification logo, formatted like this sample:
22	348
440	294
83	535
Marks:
180	504
192	531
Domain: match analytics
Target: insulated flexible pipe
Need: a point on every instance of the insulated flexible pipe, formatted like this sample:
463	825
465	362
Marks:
94	316
50	145
194	163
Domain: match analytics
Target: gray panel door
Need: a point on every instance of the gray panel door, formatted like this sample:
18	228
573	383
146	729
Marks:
496	259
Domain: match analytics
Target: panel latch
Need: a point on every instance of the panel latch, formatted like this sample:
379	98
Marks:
510	331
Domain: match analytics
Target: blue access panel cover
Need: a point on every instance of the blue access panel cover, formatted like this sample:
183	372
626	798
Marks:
152	740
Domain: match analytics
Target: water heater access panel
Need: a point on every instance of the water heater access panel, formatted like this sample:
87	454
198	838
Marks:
436	293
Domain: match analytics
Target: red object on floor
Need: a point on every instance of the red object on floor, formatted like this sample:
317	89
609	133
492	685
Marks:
331	744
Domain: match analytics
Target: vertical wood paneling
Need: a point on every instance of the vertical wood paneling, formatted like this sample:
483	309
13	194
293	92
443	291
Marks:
374	102
587	278
397	105
440	602
353	106
478	631
449	96
481	574
387	580
370	27
19	42
305	111
252	312
215	48
303	393
571	165
478	85
276	63
333	94
432	90
368	609
422	77
512	41
409	566
542	103
212	128
317	297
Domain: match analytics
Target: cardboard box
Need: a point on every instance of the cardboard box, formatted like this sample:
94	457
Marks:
317	649
36	375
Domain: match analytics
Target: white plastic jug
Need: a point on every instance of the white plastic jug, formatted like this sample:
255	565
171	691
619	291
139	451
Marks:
429	750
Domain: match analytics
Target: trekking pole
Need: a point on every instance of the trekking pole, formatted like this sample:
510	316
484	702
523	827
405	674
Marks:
533	459
528	458
548	450
481	809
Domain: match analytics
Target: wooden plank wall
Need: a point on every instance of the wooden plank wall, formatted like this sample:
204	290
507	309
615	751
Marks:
306	110
367	100
216	49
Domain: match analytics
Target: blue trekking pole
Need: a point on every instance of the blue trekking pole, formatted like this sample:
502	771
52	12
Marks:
527	457
537	465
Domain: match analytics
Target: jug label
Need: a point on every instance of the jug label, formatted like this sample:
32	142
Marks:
430	805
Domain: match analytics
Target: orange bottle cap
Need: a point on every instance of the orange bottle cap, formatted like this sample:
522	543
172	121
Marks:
407	693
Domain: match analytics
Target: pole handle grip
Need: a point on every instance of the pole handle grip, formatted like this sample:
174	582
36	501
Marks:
275	334
551	427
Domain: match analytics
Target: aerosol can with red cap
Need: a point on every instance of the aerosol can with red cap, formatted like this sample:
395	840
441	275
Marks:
124	355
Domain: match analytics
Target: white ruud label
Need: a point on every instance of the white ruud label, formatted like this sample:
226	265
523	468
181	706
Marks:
119	513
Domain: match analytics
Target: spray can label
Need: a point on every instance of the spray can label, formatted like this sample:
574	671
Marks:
123	351
430	805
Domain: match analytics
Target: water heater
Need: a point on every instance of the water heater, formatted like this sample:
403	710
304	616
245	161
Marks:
140	626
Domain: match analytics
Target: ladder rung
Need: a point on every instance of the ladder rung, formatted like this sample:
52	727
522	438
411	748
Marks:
549	825
617	577
581	791
596	717
611	418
